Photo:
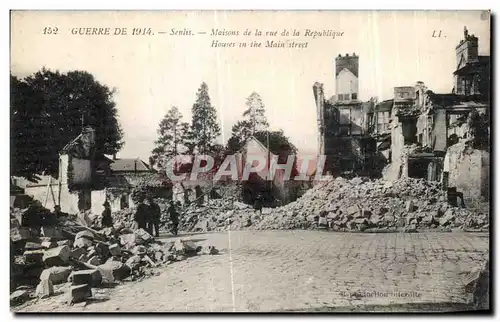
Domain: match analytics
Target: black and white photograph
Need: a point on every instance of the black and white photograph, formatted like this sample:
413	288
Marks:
224	161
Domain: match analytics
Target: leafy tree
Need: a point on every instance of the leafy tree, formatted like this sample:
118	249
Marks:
48	110
479	128
276	141
172	134
279	145
204	127
255	113
26	154
254	121
240	133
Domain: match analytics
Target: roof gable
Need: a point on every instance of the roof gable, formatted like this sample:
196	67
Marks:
130	165
253	139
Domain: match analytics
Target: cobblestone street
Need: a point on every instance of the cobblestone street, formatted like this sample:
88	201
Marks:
301	270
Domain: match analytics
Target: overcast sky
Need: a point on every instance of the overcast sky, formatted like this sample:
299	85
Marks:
153	73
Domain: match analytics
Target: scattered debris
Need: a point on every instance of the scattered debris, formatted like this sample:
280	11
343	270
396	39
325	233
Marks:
359	204
84	257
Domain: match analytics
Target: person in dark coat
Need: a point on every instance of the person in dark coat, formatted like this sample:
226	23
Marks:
174	217
155	214
107	220
141	214
258	203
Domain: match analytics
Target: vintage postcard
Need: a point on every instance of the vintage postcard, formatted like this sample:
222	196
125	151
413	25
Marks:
250	161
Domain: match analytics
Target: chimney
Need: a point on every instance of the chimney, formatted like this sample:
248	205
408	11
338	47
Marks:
88	140
88	134
114	156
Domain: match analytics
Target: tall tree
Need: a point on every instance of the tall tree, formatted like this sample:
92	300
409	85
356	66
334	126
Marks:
254	121
204	127
255	113
26	118
171	138
48	110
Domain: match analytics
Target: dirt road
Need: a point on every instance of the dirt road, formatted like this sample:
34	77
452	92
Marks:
301	270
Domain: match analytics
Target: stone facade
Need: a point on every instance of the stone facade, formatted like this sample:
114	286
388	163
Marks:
344	121
468	170
472	76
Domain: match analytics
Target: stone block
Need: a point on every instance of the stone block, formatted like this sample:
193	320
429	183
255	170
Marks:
77	253
130	241
33	257
49	244
33	246
332	215
411	228
52	232
352	210
20	233
185	247
102	250
66	242
448	218
115	250
84	234
19	297
374	220
113	271
56	274
79	293
139	250
362	227
91	277
410	207
44	289
94	260
82	242
366	213
56	256
143	235
133	262
360	221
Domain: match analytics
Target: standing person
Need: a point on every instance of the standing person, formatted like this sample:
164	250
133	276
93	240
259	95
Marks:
149	217
155	217
174	217
107	220
258	203
141	214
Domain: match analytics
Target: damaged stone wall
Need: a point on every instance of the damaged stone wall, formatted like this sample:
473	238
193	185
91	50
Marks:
393	169
468	170
43	193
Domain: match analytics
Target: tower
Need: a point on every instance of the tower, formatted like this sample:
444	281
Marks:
467	50
471	69
346	77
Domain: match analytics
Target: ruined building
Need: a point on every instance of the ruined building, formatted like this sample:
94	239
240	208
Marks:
472	76
417	133
444	137
343	122
87	179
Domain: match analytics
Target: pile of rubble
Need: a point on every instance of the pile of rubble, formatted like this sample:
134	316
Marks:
358	204
82	258
216	215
